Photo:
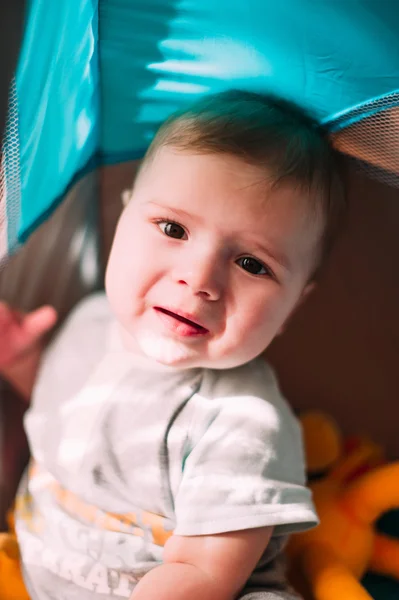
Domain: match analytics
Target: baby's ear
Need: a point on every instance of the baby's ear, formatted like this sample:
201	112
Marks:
125	197
307	290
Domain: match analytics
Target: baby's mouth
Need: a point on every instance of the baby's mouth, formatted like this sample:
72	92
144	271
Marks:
192	324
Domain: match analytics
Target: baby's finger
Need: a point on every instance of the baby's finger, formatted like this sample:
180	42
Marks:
9	316
39	321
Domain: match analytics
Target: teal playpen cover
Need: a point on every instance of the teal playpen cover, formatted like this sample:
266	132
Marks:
95	78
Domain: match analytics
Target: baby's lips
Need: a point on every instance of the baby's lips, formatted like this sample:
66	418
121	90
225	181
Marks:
183	317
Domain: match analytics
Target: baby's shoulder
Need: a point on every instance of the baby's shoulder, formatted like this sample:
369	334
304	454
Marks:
251	389
82	338
91	308
255	379
90	315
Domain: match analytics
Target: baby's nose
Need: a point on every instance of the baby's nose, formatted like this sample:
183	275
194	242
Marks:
204	277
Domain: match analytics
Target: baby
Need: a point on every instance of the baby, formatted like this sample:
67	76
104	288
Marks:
165	463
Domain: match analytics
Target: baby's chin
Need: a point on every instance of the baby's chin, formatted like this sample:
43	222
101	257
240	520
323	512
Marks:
170	353
175	354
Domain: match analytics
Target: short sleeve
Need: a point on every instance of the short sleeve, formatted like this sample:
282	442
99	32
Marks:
246	469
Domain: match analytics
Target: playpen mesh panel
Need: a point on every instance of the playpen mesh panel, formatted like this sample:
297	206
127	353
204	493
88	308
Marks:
370	135
10	182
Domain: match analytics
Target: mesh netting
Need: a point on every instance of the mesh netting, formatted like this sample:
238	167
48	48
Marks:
370	135
10	191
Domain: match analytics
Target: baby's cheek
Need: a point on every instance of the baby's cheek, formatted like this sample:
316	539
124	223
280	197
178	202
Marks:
242	332
259	327
257	317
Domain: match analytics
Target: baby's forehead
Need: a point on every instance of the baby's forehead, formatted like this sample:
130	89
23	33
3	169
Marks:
289	215
288	197
242	187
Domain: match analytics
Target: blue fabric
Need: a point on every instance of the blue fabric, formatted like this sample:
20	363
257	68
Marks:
96	77
328	55
57	90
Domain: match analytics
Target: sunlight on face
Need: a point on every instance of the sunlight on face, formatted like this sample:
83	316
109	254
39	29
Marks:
164	349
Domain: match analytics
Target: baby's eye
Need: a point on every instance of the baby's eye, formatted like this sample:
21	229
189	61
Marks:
253	266
173	230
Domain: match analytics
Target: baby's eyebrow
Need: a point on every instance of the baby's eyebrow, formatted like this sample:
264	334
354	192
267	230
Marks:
277	256
178	211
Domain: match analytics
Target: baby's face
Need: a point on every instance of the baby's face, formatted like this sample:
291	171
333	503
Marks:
208	262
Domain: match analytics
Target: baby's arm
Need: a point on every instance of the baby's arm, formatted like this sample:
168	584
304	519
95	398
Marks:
21	345
211	567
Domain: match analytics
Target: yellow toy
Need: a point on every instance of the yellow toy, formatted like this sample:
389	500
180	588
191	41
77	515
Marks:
11	583
356	488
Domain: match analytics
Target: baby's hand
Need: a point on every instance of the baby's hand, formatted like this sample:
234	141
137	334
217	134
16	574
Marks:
20	332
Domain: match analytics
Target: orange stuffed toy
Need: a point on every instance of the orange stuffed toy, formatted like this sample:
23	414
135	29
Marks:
355	488
11	583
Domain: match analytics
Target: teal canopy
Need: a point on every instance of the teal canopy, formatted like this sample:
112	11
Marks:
95	78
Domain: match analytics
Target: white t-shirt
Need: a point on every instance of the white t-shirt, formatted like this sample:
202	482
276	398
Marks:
125	453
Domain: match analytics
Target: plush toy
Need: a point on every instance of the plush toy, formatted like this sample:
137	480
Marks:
352	487
11	582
